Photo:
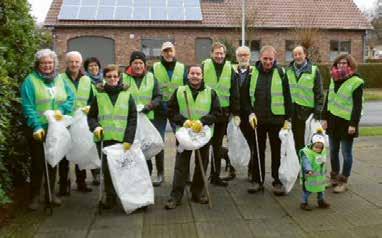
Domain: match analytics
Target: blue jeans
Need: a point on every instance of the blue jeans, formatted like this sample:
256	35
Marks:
347	154
306	194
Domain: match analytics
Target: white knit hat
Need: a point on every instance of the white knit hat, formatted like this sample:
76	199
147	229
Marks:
318	137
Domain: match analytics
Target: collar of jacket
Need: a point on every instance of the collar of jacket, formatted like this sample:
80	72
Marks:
307	69
166	64
202	87
259	66
80	74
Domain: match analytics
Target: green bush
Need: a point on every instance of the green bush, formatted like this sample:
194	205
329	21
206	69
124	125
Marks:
18	44
371	73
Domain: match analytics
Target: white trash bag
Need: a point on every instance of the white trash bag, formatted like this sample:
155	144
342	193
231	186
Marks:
190	140
58	141
148	136
130	176
311	126
289	162
84	150
239	152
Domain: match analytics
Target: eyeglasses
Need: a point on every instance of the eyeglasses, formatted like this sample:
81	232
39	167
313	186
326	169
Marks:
112	76
342	63
240	55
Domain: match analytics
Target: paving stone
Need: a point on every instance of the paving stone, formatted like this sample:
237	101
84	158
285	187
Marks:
185	230
224	229
334	234
275	227
372	231
362	217
130	232
63	234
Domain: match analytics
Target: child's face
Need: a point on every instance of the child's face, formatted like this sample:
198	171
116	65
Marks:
318	147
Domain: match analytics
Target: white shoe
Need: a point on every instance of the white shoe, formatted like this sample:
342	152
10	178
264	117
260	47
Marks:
340	188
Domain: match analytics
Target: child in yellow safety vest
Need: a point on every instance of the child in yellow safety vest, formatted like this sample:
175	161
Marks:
313	171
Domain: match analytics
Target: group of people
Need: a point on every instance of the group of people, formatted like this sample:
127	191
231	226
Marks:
261	99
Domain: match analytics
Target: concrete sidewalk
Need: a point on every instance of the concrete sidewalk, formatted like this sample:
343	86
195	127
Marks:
236	214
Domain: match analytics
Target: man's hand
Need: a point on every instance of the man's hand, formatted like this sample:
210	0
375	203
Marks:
286	125
253	120
324	124
351	130
98	133
126	146
39	135
197	126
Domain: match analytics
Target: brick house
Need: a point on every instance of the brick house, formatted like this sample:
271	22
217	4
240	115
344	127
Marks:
338	26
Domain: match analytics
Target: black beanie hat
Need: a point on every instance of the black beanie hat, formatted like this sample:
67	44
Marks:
137	55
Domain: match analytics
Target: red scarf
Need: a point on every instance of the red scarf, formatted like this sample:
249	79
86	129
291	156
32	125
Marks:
130	72
341	74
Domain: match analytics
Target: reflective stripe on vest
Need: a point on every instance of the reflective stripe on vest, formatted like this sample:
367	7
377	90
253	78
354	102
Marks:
340	104
277	96
144	94
199	107
113	119
167	86
302	90
221	86
317	181
82	92
44	99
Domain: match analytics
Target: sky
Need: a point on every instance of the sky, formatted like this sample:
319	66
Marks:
41	7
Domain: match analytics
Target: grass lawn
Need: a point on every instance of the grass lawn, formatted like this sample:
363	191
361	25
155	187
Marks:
370	131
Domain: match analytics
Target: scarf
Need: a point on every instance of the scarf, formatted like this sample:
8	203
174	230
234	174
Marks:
95	78
299	69
341	74
130	72
48	78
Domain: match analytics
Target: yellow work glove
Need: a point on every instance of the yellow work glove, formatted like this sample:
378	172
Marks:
85	109
58	115
237	120
98	133
188	124
39	135
286	125
253	120
197	126
126	146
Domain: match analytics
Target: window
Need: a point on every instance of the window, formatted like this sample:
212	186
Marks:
339	47
151	47
203	48
289	46
255	50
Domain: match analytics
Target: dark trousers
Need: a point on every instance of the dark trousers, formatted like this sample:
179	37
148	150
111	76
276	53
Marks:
63	171
181	173
108	183
273	133
298	129
247	130
38	169
220	130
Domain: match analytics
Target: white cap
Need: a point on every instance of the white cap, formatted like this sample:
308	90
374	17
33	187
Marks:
318	138
167	45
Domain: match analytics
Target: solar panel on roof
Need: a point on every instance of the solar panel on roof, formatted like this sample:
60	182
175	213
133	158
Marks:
146	10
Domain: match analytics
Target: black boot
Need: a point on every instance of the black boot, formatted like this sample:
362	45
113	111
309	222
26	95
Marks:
217	181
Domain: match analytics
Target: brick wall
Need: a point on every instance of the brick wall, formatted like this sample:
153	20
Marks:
185	40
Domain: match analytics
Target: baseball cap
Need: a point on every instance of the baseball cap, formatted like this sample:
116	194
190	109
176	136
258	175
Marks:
167	45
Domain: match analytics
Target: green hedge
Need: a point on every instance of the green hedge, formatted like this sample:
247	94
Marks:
19	42
371	73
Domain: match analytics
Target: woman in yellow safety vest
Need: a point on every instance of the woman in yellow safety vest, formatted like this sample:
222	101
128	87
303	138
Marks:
341	114
112	118
42	90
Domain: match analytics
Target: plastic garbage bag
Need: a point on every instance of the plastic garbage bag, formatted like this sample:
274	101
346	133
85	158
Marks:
311	126
289	163
130	176
238	148
84	150
148	136
58	141
190	140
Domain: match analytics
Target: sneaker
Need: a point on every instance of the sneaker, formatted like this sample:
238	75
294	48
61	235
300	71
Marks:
199	199
340	188
323	204
278	190
35	204
217	181
231	174
306	207
171	204
255	187
159	180
82	187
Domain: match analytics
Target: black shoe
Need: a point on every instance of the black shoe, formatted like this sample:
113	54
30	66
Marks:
255	187
306	207
109	203
82	187
217	181
231	174
159	180
171	204
199	199
278	190
63	189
